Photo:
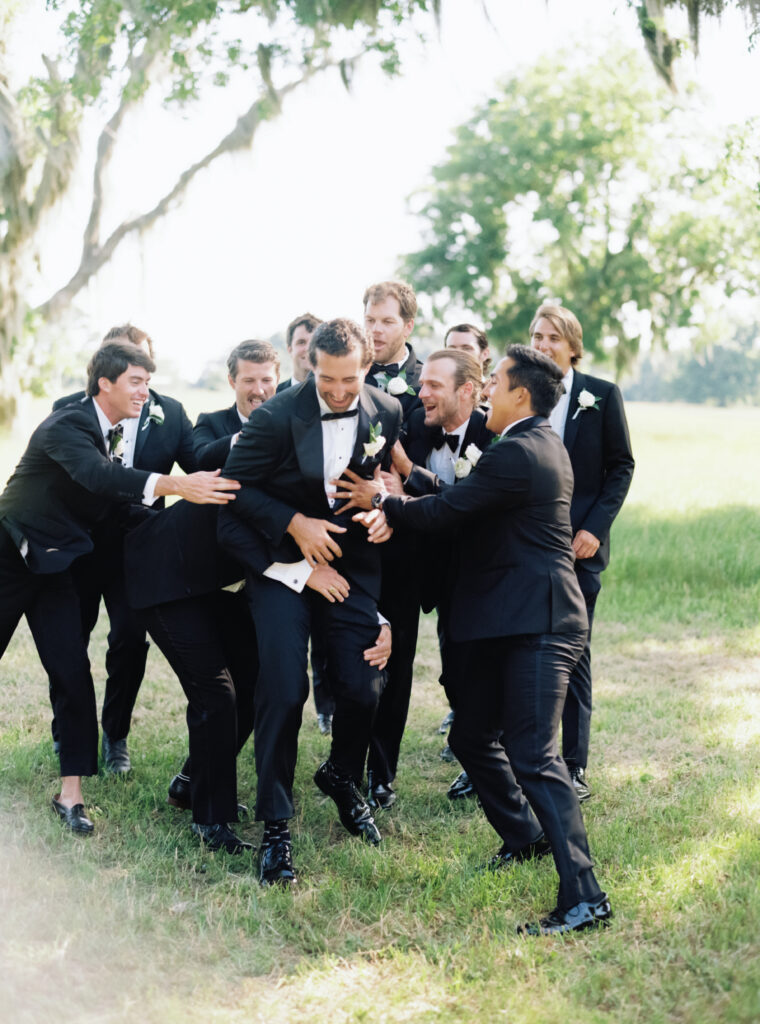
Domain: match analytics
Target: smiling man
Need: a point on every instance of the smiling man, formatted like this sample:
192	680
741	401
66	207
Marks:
297	338
590	419
389	311
517	605
71	478
318	567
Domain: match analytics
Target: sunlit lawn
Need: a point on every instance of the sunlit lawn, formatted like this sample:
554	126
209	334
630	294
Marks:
136	924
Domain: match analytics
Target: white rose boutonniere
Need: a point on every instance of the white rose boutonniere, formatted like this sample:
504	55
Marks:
394	385
587	401
376	441
117	453
465	464
155	415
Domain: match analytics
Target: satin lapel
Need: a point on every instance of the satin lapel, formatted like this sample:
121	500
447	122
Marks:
473	429
573	422
306	427
368	414
233	420
144	427
89	404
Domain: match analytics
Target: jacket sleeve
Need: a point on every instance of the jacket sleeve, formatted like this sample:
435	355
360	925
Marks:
211	451
617	467
73	447
185	456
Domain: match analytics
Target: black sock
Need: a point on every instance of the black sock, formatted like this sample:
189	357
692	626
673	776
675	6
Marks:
276	832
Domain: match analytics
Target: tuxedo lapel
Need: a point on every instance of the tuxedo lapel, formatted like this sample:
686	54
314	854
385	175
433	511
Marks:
144	427
233	422
573	422
306	427
89	404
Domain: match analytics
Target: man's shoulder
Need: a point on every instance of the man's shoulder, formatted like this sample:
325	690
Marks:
217	415
171	406
382	400
597	385
61	403
284	384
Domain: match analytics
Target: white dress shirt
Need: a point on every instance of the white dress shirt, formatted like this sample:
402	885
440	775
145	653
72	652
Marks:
441	460
130	424
558	415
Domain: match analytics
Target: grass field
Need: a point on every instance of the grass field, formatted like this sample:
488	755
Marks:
137	924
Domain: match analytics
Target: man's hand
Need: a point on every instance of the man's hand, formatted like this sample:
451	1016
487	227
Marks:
359	491
201	488
585	544
378	530
401	461
378	655
329	583
313	538
392	481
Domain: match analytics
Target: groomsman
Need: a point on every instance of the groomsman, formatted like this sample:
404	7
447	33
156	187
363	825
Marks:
253	374
287	456
516	602
441	439
590	419
389	311
159	438
69	479
471	339
297	338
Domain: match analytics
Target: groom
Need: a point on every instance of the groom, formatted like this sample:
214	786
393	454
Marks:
288	455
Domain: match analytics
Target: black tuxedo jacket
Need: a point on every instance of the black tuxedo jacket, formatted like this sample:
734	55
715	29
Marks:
174	554
63	486
158	445
599	447
412	367
279	462
513	562
212	434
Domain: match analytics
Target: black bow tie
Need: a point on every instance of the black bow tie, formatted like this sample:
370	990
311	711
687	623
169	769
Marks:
340	415
391	370
442	438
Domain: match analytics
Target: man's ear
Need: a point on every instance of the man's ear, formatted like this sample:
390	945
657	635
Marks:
231	379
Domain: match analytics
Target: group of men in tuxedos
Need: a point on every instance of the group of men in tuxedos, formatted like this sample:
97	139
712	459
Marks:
367	488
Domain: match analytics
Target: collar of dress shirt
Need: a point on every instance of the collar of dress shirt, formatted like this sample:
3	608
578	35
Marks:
103	420
567	380
400	363
243	419
522	419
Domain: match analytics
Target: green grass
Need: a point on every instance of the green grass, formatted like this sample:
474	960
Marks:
137	924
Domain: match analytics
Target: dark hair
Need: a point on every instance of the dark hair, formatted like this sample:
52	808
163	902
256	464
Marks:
466	368
479	334
338	338
130	333
402	292
539	374
307	320
566	324
253	352
113	359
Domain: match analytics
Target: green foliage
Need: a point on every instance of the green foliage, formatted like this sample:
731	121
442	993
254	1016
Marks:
579	181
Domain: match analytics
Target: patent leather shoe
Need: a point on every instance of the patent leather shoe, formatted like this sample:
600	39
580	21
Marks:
380	794
179	795
73	818
325	723
220	837
116	756
505	858
578	779
353	809
593	914
446	724
276	863
461	788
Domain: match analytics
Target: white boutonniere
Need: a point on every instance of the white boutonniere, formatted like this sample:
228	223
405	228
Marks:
155	415
376	441
587	401
394	385
116	447
466	463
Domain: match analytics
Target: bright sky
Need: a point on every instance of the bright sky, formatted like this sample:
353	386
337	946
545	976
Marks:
318	209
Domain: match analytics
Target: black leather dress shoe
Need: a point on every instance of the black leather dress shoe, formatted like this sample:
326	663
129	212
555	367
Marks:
531	851
74	818
179	795
448	755
578	779
325	724
276	863
461	787
116	756
220	837
594	914
353	809
446	724
380	794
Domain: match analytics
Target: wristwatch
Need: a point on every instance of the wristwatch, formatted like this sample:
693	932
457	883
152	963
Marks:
378	499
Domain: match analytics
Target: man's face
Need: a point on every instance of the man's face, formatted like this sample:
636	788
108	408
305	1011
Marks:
547	339
253	385
466	341
385	325
124	397
339	378
442	402
507	405
299	352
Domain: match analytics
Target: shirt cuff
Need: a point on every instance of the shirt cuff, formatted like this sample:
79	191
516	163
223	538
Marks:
382	621
149	493
293	574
